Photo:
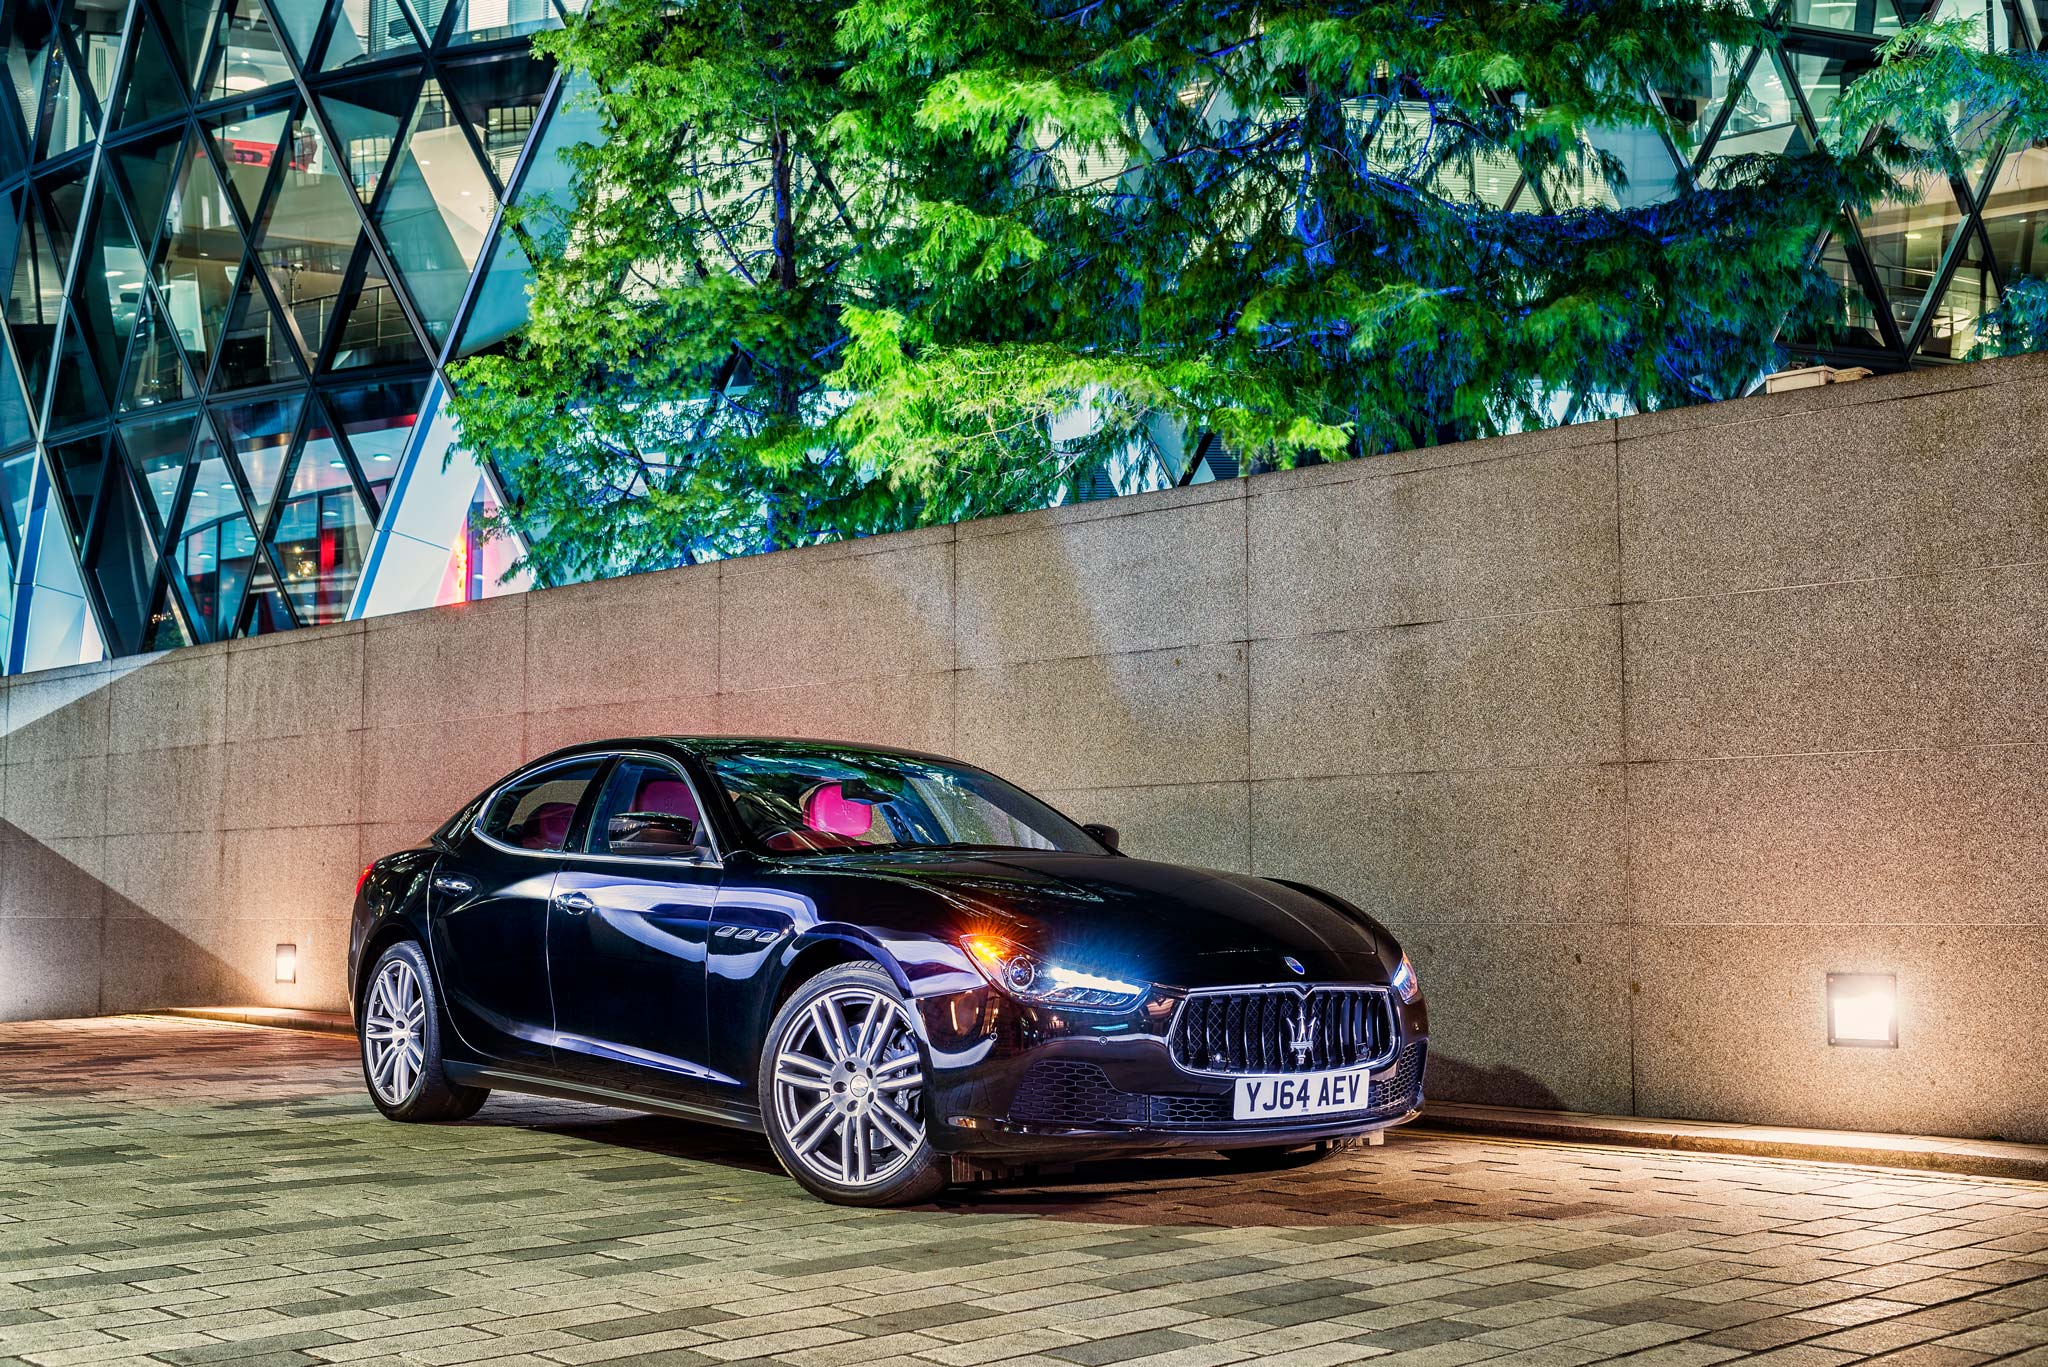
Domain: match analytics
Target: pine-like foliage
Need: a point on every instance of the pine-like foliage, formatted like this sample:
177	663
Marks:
844	266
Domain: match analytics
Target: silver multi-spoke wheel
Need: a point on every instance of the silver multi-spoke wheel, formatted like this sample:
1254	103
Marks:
847	1087
394	1031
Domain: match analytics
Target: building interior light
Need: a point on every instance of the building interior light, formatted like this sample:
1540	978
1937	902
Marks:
287	963
1863	1010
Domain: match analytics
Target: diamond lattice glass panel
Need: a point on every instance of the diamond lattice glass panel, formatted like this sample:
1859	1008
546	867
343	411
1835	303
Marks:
501	99
166	629
191	24
154	88
77	397
373	328
158	451
215	557
365	30
300	20
1822	80
122	566
260	434
147	170
67	118
76	467
157	373
309	229
61	196
1760	119
265	610
213	497
110	284
322	532
246	56
29	39
1907	239
367	117
376	421
2015	210
199	259
499	307
14	425
485	21
258	348
436	211
249	142
34	296
17	477
94	27
1872	17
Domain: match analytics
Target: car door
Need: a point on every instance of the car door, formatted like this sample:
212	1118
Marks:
489	914
627	932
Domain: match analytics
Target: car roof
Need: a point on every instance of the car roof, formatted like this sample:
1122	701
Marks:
715	745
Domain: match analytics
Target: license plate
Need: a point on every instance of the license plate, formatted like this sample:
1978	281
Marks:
1299	1094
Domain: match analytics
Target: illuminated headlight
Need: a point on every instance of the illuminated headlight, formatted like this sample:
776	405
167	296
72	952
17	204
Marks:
1405	983
1030	978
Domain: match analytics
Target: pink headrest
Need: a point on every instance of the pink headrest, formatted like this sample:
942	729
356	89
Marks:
668	795
828	810
548	827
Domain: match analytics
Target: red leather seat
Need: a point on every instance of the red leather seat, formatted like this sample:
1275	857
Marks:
548	827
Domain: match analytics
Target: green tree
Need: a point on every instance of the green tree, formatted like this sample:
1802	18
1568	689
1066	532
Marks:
854	265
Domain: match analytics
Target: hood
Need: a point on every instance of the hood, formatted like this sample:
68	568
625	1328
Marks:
1173	925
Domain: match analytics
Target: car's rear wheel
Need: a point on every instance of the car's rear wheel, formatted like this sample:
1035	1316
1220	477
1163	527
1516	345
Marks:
842	1091
400	1034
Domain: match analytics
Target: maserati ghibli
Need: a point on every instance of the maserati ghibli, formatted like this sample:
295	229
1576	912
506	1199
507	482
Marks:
900	968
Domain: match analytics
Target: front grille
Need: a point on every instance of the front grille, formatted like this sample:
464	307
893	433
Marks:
1067	1092
1282	1030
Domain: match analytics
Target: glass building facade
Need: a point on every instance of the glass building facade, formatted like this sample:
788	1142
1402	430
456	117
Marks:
242	239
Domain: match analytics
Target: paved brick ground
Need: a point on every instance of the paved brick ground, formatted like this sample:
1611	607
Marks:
193	1194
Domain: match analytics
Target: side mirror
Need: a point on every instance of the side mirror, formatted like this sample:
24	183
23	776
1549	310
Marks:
1106	835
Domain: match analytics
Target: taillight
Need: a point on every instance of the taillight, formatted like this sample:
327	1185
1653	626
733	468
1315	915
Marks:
364	877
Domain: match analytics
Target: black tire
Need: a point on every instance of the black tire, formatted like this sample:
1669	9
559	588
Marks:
848	1100
408	1055
1279	1158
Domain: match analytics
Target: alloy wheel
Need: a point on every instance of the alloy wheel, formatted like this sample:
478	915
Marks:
848	1084
394	1031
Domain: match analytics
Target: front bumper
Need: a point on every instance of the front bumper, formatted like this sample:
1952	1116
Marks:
1023	1083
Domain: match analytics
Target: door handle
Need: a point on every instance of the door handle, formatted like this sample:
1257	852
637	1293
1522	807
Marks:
454	884
575	903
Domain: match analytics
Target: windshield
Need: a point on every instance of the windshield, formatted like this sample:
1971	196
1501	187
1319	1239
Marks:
808	801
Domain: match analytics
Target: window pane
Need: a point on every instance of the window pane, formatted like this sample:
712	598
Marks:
157	451
366	30
309	230
154	88
261	435
536	812
200	258
647	810
248	56
249	142
484	21
257	349
123	568
437	210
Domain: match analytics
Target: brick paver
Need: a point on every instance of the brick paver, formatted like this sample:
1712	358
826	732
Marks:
182	1193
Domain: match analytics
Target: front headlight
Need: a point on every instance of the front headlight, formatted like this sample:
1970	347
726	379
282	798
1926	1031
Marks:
1405	982
1032	978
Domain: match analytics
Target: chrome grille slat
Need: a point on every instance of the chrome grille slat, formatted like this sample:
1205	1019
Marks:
1251	1029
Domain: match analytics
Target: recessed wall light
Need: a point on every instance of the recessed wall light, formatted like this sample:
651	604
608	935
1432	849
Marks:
287	963
1863	1010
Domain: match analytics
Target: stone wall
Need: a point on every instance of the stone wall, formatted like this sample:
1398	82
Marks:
1632	731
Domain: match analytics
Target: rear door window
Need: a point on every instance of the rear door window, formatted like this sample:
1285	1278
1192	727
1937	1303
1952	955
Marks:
538	810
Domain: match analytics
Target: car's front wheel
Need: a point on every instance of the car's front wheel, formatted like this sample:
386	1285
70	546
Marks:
400	1032
842	1091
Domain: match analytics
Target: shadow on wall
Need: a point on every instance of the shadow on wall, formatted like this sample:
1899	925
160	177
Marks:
72	946
1453	1079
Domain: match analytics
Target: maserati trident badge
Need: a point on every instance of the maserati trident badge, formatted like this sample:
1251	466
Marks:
1301	1034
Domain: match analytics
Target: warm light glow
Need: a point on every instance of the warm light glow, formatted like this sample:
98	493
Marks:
287	963
1863	1009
